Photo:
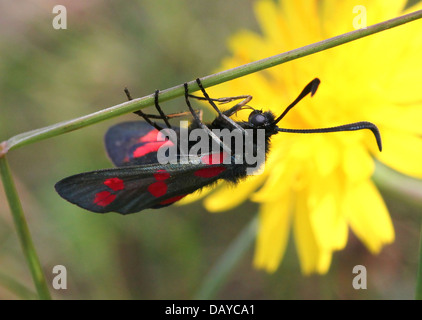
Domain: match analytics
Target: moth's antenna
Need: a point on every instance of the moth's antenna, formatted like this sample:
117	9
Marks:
310	88
346	127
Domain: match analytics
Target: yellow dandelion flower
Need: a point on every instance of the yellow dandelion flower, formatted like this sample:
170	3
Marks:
320	185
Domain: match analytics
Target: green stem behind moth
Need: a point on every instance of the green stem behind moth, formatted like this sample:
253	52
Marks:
208	81
23	231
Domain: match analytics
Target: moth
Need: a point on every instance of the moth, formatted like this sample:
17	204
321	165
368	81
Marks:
140	181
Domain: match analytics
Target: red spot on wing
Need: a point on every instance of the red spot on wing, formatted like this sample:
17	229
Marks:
104	198
173	199
161	175
152	141
214	158
209	172
151	136
148	148
158	189
114	184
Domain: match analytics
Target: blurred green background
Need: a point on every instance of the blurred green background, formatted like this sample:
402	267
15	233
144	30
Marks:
48	75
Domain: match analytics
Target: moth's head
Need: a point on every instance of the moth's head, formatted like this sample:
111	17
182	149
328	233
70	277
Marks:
267	120
259	119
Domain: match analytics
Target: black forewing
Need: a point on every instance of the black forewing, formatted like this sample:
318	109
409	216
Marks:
128	189
133	143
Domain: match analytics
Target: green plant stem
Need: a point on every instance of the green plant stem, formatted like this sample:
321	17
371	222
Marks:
418	295
23	231
17	288
407	188
236	250
208	81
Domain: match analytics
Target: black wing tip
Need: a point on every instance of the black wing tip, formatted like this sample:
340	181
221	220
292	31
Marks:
65	190
58	187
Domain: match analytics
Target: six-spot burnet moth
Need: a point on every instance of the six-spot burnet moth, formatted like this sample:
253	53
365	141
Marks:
141	181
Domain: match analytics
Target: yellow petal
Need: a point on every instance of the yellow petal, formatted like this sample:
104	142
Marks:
384	11
274	184
229	196
312	257
324	202
368	216
301	17
326	154
357	163
273	234
402	152
271	24
241	43
195	196
404	119
329	226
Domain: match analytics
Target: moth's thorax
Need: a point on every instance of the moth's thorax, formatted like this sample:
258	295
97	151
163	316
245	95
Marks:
257	120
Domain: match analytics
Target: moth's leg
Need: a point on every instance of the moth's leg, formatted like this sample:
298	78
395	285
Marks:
147	117
203	126
142	114
220	114
232	110
162	114
176	115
